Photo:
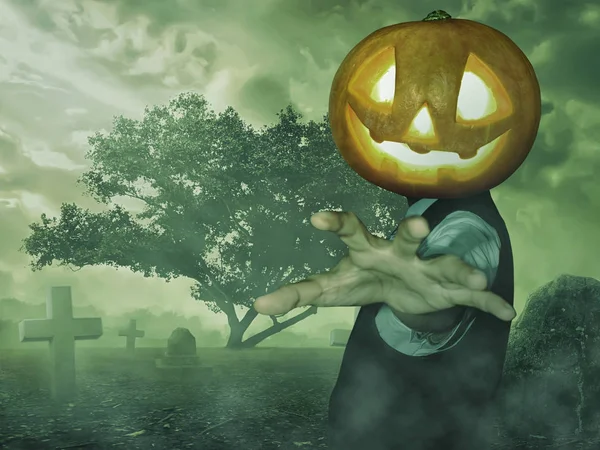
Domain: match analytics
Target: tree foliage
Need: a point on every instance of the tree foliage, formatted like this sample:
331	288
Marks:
217	201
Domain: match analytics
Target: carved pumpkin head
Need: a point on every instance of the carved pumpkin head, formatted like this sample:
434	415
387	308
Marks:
439	108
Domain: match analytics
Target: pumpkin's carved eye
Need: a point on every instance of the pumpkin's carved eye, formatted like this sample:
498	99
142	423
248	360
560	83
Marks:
376	80
475	100
385	88
482	97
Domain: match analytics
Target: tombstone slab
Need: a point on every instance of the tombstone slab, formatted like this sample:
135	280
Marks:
339	337
181	343
131	333
181	351
61	330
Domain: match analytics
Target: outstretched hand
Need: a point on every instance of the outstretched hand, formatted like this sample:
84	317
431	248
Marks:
389	271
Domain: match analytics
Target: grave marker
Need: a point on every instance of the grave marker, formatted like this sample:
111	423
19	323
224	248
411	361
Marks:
131	333
61	330
339	337
180	359
181	351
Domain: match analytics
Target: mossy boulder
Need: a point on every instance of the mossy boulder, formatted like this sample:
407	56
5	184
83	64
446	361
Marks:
552	371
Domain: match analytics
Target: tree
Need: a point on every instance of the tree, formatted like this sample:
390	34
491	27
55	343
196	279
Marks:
221	202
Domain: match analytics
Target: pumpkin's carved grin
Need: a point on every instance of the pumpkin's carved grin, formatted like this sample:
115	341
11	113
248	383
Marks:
435	158
401	152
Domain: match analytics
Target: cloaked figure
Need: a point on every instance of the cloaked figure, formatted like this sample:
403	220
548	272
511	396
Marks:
440	111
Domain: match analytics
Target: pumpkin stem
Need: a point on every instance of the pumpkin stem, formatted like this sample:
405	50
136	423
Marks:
438	14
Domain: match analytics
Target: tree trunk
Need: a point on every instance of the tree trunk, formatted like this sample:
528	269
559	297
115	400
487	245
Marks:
236	333
239	328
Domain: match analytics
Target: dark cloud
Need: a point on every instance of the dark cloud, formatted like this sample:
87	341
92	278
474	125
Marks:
262	95
547	107
575	66
39	17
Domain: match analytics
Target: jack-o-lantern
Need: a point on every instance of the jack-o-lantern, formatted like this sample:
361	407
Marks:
438	108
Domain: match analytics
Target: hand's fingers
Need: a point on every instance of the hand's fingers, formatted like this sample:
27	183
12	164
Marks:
288	297
344	285
347	226
452	269
484	300
411	233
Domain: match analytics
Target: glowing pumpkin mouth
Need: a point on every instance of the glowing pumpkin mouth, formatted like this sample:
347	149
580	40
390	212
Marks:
434	159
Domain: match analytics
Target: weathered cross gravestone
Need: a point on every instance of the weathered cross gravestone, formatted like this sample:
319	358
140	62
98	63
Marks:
131	333
553	363
61	330
339	337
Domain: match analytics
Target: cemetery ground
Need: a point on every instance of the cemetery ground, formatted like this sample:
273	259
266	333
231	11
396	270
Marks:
250	399
262	398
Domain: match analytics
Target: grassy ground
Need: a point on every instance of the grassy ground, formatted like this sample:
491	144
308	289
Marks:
251	399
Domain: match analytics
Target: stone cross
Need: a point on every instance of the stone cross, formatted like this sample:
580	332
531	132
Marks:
61	330
339	337
131	333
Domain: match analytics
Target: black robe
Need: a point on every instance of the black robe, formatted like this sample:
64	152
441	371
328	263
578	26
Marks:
386	400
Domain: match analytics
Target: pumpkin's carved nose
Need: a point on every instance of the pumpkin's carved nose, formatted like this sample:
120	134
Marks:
421	128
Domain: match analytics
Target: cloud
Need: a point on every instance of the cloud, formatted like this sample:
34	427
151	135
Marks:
75	111
41	155
33	56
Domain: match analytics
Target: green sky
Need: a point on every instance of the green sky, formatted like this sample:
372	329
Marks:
68	66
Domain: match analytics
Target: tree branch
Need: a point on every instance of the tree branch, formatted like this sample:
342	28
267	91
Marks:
259	337
229	311
145	199
235	223
225	304
248	317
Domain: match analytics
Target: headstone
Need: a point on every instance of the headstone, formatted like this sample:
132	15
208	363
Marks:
339	337
181	343
181	351
61	330
553	363
131	333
